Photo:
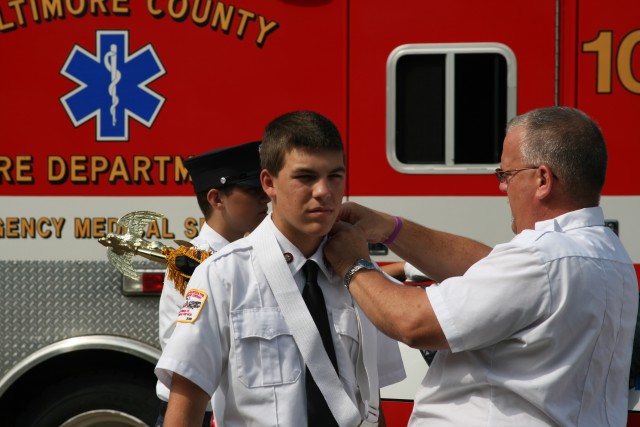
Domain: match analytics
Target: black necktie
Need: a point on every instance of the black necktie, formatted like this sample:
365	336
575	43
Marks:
318	412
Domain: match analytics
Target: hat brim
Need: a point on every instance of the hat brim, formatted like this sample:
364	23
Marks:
251	182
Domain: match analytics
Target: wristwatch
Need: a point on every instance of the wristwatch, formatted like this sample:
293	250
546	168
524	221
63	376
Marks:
357	266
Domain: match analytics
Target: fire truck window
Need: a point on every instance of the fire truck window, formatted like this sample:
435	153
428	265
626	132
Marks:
420	109
448	106
480	107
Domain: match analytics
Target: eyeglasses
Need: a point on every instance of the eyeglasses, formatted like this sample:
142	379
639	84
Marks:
504	175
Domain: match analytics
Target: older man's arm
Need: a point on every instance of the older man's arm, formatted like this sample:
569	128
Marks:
437	254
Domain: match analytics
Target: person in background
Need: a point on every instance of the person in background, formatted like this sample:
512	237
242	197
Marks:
228	190
247	302
537	331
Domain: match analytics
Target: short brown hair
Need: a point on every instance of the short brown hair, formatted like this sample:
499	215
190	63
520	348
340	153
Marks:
304	130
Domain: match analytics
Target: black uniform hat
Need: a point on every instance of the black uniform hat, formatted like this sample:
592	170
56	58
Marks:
238	165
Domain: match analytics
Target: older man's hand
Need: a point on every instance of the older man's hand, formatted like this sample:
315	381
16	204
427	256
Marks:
346	244
376	226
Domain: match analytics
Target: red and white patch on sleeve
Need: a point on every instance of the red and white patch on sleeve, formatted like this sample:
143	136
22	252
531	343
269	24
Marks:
193	303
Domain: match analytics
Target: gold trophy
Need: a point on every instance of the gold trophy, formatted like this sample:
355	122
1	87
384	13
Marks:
122	247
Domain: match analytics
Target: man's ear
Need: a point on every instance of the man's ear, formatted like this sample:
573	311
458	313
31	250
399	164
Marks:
546	181
214	197
267	183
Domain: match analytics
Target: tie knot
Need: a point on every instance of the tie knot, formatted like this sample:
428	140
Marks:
310	270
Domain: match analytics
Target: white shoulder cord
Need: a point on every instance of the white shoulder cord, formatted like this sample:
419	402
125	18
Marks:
368	357
268	256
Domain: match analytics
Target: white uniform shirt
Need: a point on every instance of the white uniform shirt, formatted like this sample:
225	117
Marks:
241	347
540	332
171	300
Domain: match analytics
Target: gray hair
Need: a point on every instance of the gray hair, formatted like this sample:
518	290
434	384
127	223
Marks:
570	143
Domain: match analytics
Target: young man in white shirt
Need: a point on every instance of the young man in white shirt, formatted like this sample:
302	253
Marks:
235	336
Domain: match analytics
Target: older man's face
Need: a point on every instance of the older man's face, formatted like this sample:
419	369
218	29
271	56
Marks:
520	185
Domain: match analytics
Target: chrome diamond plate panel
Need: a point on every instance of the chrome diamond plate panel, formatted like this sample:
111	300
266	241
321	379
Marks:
43	302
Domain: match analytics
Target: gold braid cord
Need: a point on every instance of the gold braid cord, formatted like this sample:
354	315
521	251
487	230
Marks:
181	275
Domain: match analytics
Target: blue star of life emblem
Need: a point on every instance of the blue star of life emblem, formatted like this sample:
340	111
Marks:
112	85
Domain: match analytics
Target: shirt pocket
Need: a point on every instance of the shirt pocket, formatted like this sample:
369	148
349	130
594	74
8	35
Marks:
345	323
265	352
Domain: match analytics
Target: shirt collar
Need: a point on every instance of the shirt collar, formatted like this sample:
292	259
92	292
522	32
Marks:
298	257
210	235
587	217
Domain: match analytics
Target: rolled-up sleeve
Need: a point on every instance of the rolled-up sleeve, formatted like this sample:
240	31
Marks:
499	295
198	350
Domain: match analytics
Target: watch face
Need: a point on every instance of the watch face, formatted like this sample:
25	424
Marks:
367	264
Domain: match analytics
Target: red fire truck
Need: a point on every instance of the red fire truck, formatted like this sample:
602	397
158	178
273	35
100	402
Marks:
103	100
